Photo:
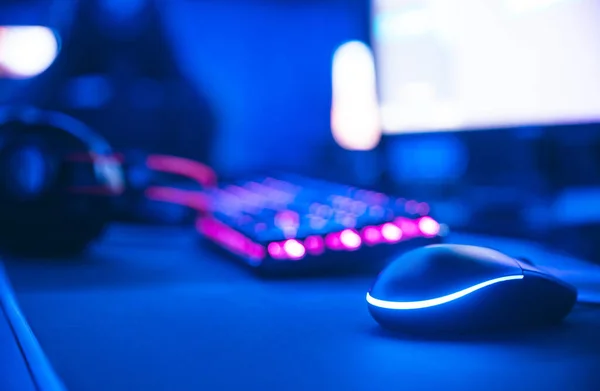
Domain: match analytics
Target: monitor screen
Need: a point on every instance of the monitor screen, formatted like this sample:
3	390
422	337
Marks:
473	64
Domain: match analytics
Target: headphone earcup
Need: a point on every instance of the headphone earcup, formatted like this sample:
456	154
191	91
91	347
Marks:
56	194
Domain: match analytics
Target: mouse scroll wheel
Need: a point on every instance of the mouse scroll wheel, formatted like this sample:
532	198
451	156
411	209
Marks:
525	260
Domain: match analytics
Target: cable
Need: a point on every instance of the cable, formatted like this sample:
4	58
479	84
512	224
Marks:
585	302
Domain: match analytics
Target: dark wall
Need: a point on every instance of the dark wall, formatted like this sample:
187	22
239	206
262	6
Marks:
261	67
266	66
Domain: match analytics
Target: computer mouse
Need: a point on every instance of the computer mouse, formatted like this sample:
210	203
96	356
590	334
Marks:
455	288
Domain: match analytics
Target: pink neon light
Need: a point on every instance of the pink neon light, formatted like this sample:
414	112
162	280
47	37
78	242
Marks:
192	199
276	250
257	251
333	241
391	233
230	239
350	239
314	244
428	226
294	249
407	226
371	235
185	167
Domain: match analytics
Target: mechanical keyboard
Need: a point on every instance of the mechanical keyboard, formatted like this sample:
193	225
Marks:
292	222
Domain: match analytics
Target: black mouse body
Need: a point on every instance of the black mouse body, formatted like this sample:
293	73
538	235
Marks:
455	288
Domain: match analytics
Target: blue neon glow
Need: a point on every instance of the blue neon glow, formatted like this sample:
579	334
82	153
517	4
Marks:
411	305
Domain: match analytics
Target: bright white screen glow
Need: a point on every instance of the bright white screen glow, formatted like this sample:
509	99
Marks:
26	51
473	64
355	120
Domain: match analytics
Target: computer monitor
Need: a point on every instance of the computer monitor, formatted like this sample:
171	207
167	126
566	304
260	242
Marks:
473	65
479	101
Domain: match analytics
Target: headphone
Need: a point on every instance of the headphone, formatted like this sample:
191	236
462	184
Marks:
57	178
59	181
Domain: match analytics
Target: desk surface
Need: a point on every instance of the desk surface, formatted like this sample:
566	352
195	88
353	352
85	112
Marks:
148	309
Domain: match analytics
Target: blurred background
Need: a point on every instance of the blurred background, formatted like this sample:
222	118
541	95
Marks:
488	111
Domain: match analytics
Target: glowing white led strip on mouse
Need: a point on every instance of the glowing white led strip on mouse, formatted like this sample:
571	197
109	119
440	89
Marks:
411	305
